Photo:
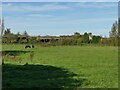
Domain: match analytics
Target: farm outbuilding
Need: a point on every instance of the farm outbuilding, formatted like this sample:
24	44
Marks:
46	39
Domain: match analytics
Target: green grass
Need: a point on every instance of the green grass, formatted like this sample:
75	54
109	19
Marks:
77	66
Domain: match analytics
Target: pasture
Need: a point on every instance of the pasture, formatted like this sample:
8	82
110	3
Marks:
60	67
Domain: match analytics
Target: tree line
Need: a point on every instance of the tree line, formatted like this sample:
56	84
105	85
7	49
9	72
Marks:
75	39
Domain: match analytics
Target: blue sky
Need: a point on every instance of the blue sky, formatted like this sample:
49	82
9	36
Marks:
59	0
52	18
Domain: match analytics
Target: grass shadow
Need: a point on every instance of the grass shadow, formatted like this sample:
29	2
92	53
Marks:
14	52
38	77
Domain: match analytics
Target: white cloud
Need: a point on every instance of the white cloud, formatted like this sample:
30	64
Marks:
95	5
60	0
39	15
27	7
55	6
31	20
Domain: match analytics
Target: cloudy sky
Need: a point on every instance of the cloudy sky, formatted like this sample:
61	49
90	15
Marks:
59	0
63	18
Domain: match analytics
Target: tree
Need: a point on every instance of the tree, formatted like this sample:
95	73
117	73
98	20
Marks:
25	33
18	33
85	38
76	39
114	34
96	39
77	35
114	30
7	31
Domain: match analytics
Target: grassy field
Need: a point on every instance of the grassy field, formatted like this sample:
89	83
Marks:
60	67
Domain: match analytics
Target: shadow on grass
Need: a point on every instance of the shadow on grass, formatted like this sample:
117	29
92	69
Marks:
14	52
38	77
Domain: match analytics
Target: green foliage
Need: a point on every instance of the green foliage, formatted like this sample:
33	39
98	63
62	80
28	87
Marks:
85	38
32	40
114	30
18	34
96	39
76	35
113	41
114	33
7	31
8	36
